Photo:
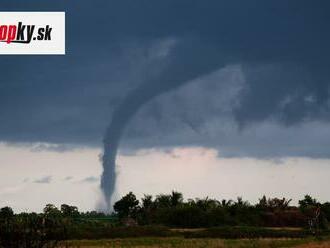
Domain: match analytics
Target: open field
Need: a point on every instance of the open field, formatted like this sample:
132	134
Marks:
199	243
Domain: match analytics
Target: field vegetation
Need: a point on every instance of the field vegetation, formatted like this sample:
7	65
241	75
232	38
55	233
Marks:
169	221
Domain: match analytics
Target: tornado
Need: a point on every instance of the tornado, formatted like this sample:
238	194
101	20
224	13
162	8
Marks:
187	63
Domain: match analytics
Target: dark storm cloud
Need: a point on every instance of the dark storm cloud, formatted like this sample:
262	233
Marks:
205	118
275	77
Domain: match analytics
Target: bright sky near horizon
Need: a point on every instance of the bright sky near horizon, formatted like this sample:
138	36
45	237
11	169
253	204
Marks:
31	178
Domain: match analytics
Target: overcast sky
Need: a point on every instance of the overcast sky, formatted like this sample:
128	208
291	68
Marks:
242	87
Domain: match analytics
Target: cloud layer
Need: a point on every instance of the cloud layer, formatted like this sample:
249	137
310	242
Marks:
260	74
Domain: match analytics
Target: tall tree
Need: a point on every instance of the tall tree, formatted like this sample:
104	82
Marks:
126	206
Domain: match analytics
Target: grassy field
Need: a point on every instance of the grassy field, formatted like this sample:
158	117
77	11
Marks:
218	237
199	243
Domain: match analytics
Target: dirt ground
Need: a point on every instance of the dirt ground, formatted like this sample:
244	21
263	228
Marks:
321	244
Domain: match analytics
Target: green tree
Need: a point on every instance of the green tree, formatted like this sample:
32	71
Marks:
51	210
163	201
6	213
176	198
126	206
147	202
326	210
273	203
308	201
226	203
69	211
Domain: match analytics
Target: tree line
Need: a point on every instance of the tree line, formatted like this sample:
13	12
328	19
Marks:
154	216
172	210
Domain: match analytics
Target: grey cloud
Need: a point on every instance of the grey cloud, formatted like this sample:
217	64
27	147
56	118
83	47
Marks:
288	92
45	179
202	113
68	178
90	179
36	147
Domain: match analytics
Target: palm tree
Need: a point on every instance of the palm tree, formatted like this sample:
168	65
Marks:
176	198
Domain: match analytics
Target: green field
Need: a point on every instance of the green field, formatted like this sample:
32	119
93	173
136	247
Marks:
199	243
